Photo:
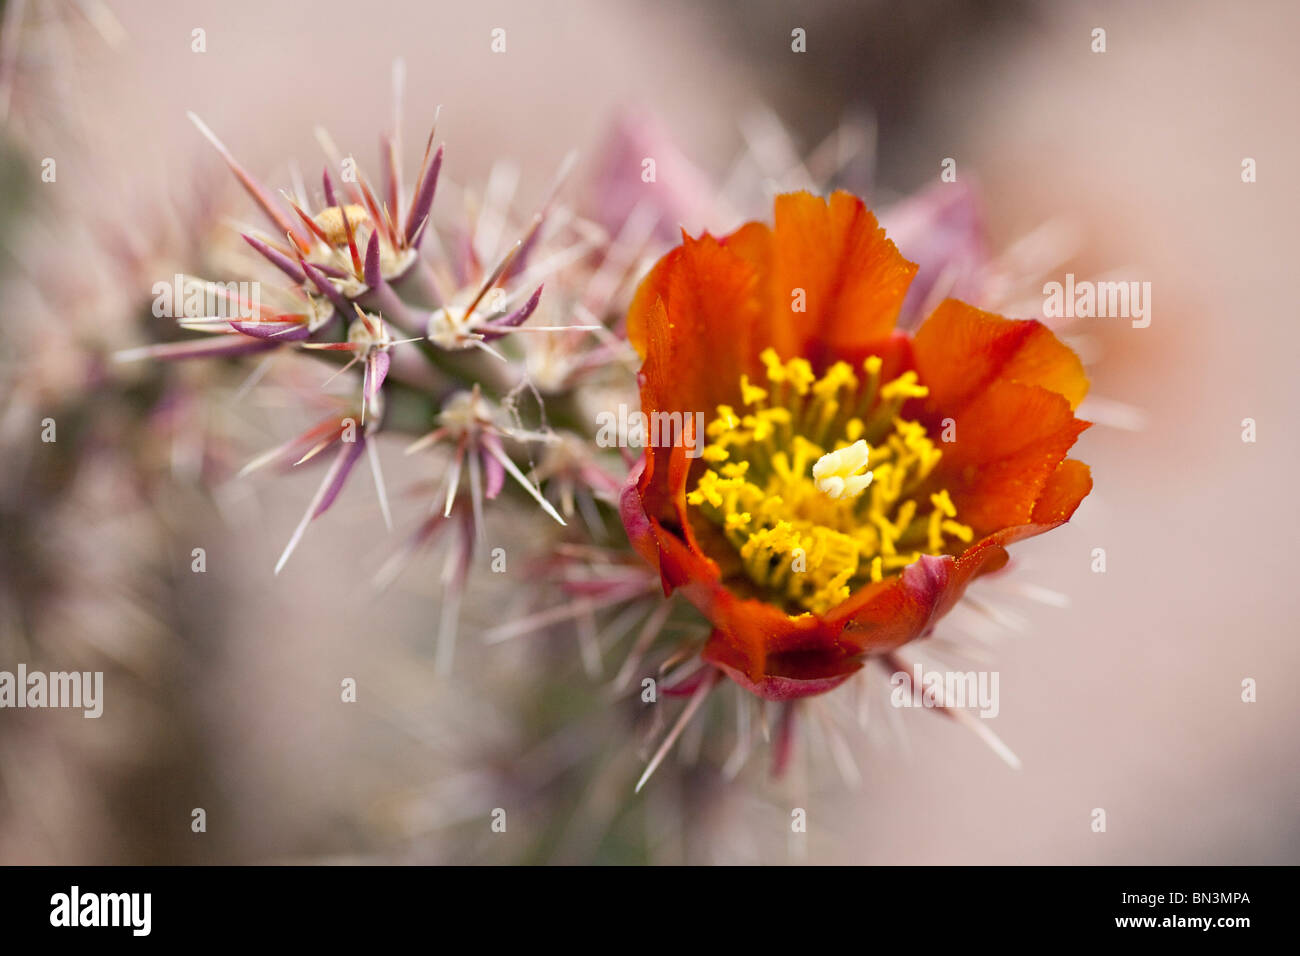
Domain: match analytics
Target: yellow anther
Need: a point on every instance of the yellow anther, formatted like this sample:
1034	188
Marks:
772	362
751	394
762	423
725	422
837	376
943	502
962	532
905	386
738	520
760	426
800	374
707	490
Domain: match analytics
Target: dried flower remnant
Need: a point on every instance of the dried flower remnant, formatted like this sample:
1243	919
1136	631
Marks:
327	246
474	426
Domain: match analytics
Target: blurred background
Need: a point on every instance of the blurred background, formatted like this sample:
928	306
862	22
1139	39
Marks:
222	688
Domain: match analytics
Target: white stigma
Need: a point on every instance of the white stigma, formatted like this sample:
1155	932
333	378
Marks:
836	474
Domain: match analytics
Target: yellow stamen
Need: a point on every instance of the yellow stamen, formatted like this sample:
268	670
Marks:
820	486
751	394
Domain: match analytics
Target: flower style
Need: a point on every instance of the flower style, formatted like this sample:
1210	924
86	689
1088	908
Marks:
854	480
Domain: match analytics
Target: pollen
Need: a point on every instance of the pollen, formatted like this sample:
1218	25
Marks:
820	485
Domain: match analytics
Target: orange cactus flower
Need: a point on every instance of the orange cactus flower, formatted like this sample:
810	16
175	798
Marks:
852	480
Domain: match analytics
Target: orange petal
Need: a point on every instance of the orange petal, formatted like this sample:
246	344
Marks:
1010	440
787	676
1065	489
693	320
886	615
853	279
960	351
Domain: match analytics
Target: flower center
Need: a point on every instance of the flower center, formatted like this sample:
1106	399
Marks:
818	483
